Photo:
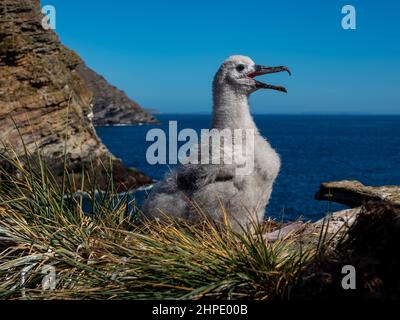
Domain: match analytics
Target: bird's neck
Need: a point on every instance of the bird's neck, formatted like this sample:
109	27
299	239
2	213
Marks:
231	110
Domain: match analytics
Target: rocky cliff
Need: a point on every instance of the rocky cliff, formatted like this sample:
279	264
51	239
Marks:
45	99
110	105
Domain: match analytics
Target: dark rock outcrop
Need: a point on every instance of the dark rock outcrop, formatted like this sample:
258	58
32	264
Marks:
365	237
371	247
44	99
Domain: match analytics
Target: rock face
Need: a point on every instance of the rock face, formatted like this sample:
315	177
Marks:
110	105
371	247
43	95
355	194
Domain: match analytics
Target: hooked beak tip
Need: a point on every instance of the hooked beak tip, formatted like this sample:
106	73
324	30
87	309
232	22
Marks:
262	70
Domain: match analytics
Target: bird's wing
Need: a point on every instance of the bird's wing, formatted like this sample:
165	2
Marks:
222	160
193	177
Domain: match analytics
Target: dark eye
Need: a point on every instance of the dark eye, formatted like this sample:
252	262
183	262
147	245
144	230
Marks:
240	68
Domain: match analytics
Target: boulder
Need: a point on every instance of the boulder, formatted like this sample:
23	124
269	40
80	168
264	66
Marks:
355	194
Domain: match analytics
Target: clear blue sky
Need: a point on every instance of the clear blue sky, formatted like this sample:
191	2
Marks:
164	54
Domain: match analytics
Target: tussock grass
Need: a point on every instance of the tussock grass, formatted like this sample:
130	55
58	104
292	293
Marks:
107	254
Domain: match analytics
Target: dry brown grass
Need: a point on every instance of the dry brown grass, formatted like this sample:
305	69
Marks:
108	255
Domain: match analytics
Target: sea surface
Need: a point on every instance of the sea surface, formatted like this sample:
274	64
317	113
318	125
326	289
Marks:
313	149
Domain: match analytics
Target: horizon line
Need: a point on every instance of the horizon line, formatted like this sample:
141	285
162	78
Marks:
286	114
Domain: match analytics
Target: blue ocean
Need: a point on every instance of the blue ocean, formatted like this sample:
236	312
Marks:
313	149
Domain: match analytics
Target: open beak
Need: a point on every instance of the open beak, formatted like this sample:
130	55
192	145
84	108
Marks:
261	70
